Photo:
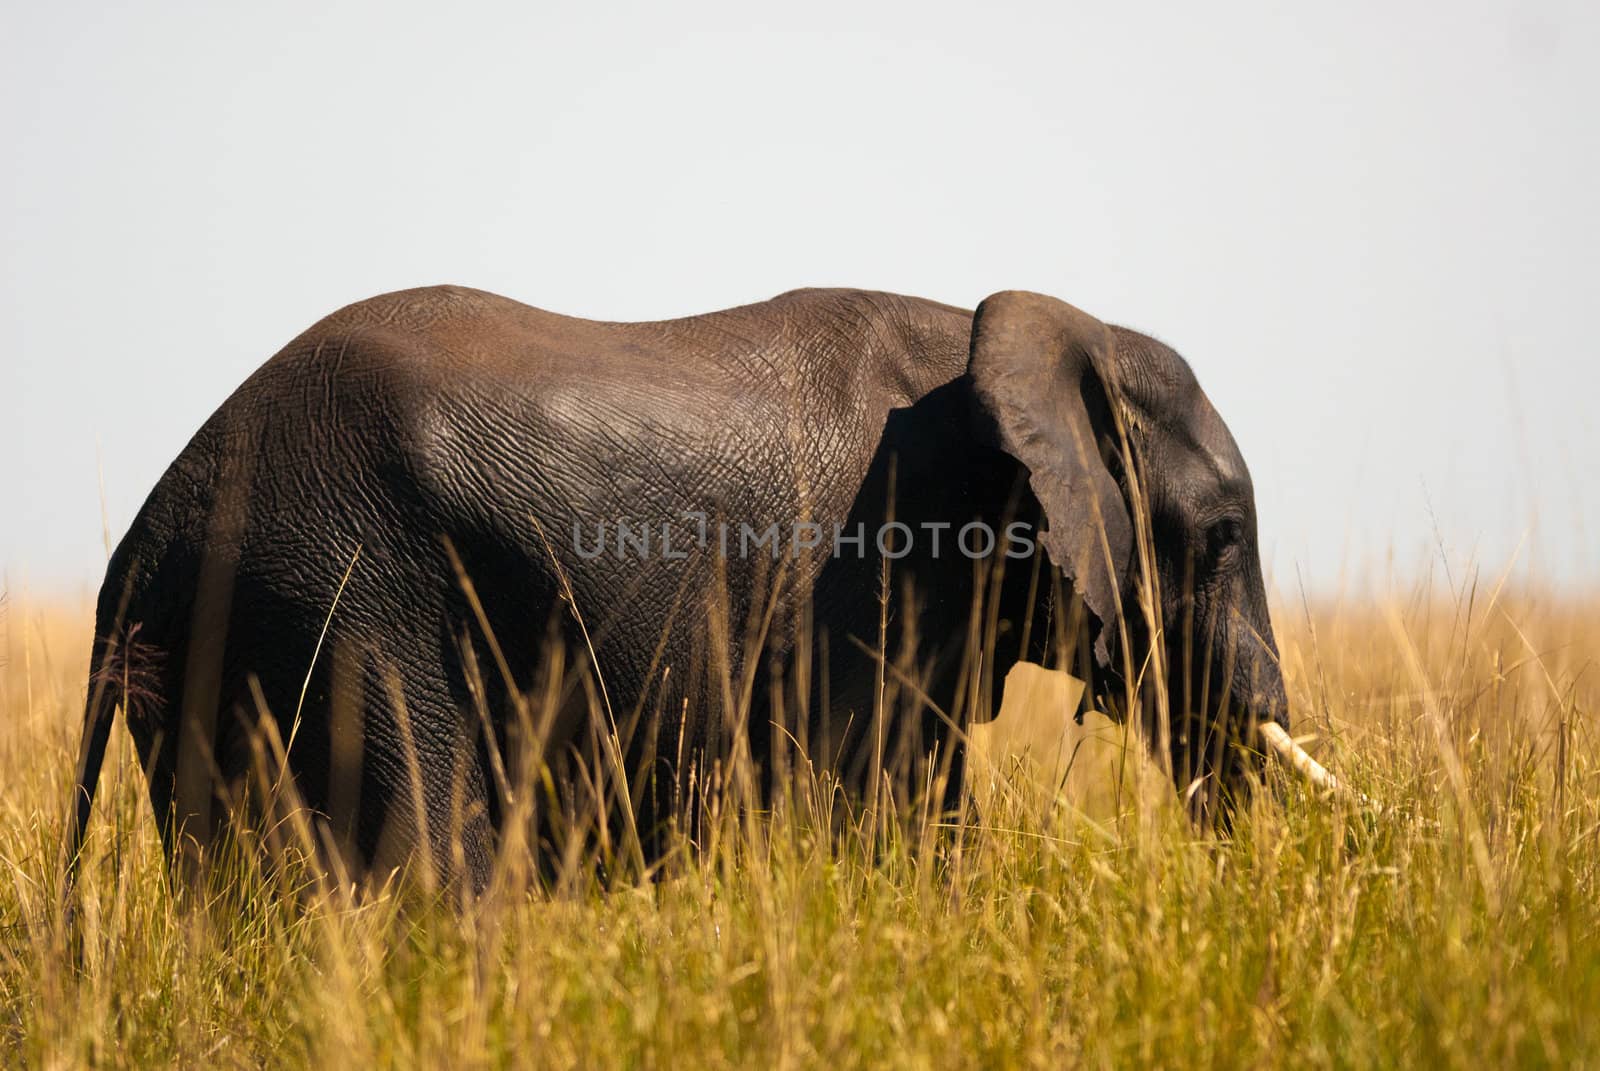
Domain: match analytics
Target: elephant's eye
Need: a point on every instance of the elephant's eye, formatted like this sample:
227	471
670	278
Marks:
1223	538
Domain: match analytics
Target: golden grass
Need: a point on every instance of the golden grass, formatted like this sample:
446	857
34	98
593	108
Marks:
1455	922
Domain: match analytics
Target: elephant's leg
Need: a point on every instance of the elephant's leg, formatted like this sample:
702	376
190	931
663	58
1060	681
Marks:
189	747
203	776
424	794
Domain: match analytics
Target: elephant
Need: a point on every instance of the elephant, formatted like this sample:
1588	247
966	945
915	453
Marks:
441	529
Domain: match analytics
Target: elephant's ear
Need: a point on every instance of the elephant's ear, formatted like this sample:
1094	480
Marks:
1039	365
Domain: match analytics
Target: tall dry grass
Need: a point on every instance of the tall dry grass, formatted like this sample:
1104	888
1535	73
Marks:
1453	920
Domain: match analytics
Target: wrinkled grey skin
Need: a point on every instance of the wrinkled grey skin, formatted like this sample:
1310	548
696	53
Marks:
301	565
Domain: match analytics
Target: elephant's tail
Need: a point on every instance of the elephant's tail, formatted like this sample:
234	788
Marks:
119	675
98	712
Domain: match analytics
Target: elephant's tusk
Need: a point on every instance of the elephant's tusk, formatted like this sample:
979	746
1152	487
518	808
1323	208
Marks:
1281	744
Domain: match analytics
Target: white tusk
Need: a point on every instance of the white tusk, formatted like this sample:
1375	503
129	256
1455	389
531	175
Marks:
1281	744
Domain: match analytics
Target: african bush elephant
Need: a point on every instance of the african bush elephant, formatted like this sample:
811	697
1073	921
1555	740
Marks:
441	529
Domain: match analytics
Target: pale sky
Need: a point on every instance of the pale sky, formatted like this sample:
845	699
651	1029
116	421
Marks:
1371	228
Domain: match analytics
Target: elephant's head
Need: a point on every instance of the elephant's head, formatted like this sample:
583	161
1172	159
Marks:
1151	518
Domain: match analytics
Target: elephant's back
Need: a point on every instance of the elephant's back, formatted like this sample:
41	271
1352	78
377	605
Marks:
475	333
799	337
476	393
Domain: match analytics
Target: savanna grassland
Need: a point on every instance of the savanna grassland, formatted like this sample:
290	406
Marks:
1450	920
